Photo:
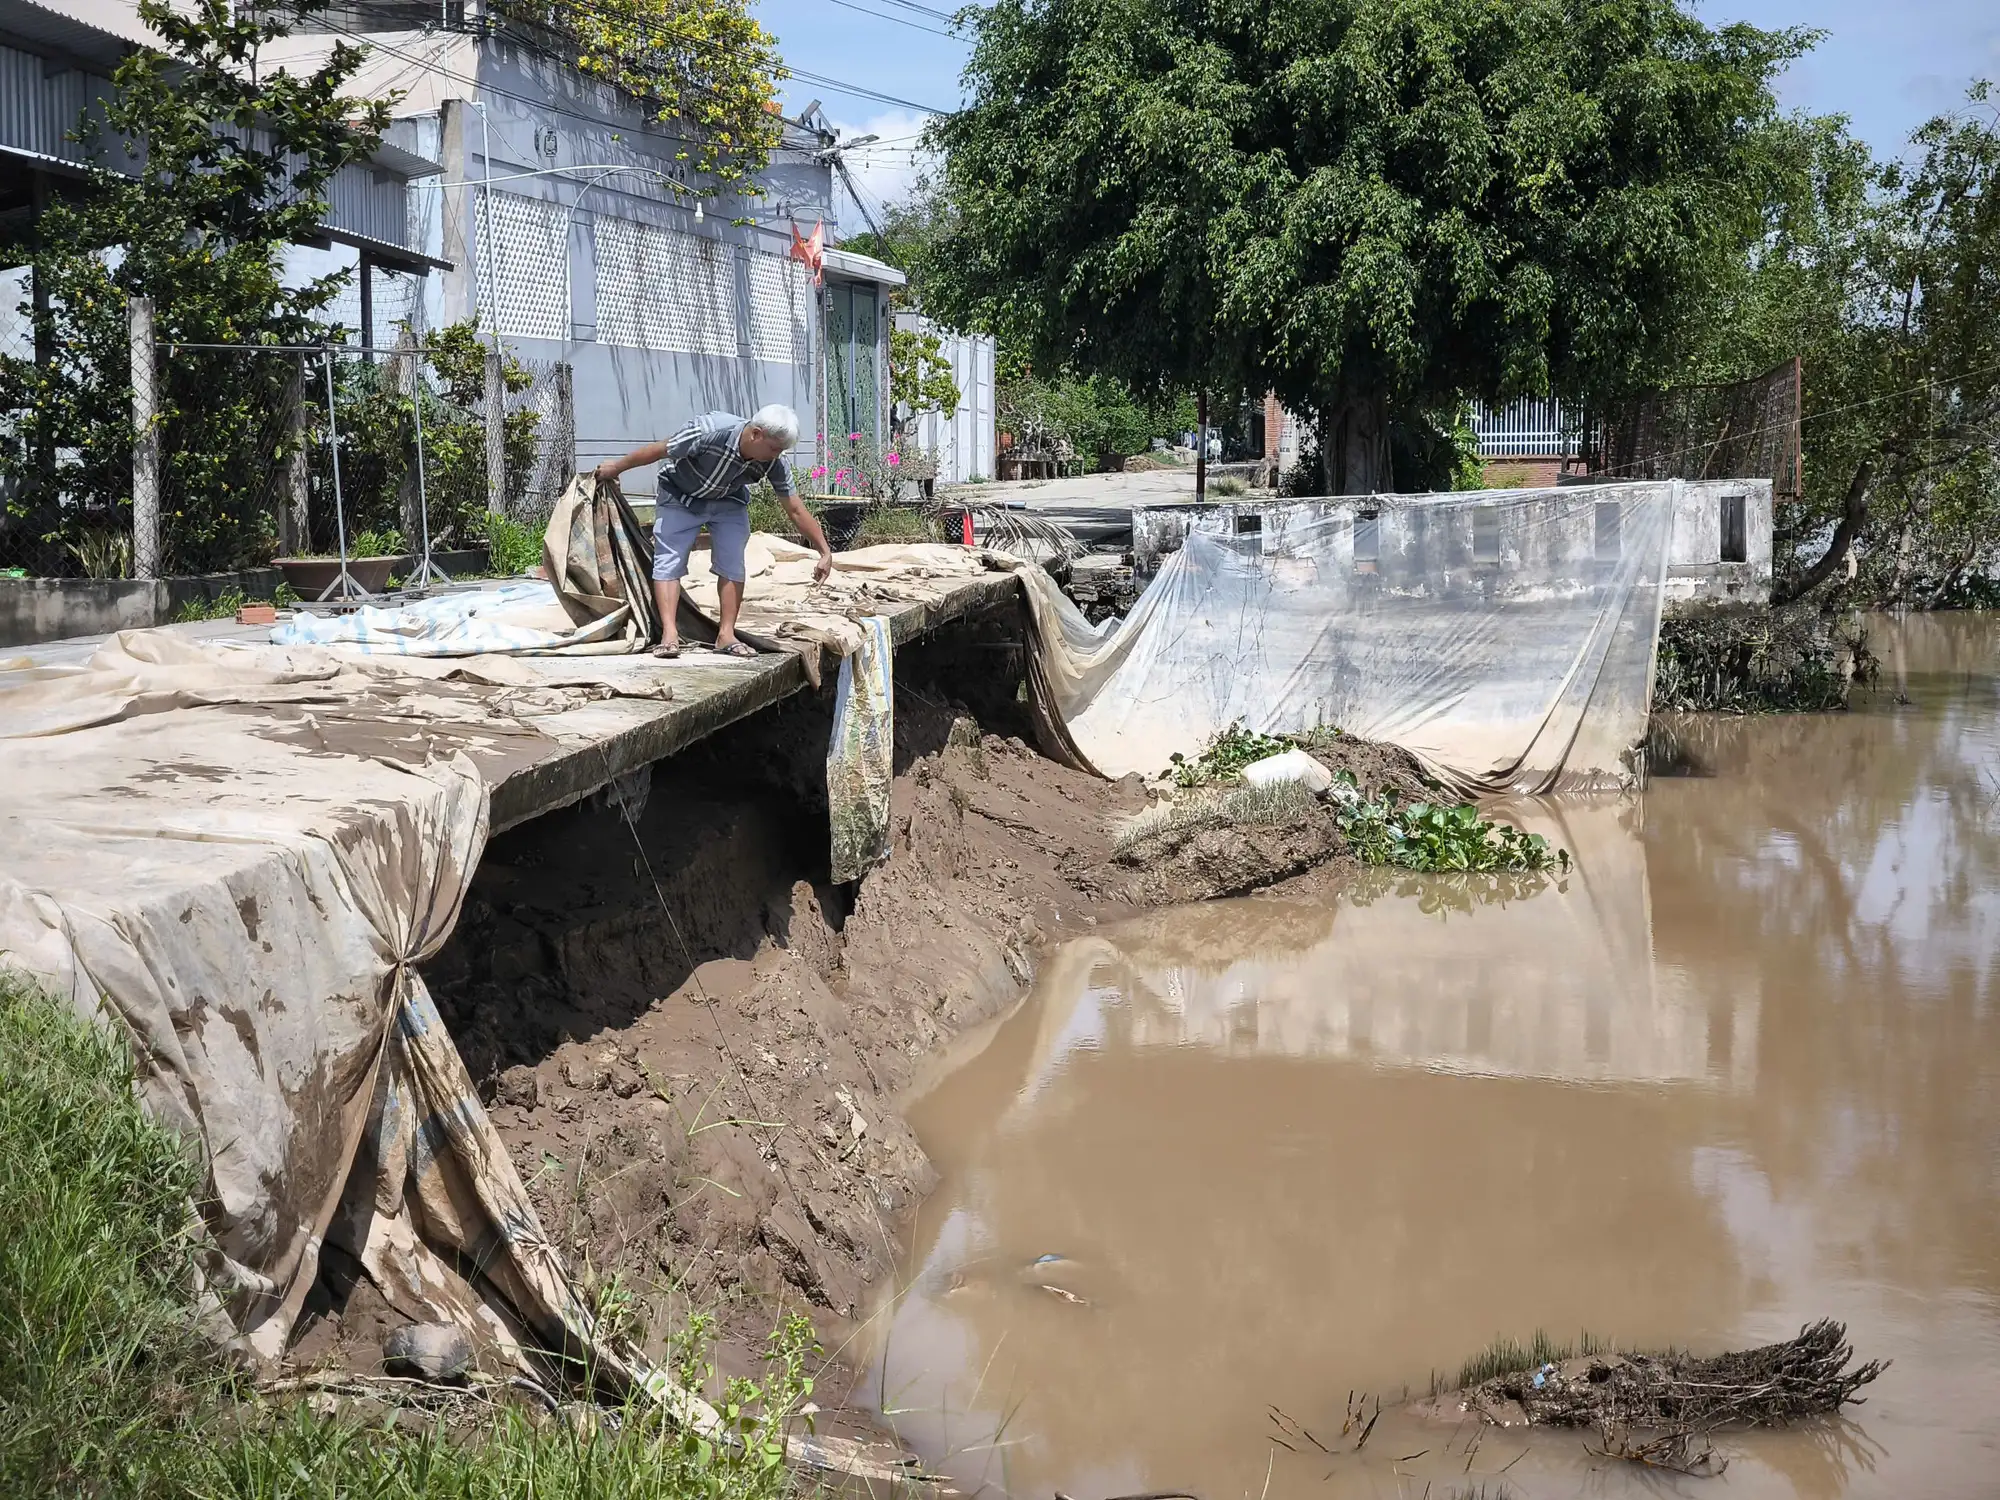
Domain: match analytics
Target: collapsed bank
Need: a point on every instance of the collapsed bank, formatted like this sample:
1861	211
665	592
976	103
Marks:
645	1030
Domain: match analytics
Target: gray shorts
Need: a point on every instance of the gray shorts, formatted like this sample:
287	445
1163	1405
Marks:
676	523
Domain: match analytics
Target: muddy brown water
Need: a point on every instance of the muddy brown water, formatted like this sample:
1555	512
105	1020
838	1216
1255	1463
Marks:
1736	1072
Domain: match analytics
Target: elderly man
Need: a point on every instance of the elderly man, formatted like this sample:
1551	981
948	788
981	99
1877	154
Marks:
706	470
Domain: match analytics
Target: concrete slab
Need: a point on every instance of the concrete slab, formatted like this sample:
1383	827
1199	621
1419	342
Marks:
571	754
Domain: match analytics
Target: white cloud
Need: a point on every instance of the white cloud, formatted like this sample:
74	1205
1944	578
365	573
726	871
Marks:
885	169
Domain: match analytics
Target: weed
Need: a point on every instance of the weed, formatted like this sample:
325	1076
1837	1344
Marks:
1790	660
1225	756
511	548
1505	1357
385	543
893	523
1227	487
1226	807
1435	836
220	607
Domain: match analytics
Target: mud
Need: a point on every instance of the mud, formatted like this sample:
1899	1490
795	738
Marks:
693	1044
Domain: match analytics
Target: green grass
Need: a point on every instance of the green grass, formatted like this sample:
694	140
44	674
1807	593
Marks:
1240	806
1504	1357
109	1392
221	607
1227	487
98	1352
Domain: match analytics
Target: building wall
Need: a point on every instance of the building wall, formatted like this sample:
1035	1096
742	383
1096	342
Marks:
660	316
964	440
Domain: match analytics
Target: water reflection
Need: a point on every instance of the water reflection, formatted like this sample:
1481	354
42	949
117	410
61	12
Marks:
1738	1069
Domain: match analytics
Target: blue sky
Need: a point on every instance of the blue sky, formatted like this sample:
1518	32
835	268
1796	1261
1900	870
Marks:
1887	66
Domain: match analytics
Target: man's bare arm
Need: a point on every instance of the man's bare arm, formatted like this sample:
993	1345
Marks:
809	528
638	458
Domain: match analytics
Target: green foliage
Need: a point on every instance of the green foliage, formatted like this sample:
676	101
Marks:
222	607
706	66
1787	660
1225	756
919	374
1098	417
1368	205
1434	836
234	164
511	547
1240	806
1885	280
1228	487
97	1348
378	455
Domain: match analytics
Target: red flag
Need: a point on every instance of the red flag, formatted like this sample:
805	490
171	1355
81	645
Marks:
811	249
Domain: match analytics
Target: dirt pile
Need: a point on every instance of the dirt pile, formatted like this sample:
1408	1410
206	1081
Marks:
693	1045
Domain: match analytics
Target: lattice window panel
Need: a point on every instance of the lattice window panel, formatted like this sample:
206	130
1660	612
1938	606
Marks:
777	309
526	242
664	289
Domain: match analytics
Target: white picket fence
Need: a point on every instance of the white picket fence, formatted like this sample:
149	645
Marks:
1531	427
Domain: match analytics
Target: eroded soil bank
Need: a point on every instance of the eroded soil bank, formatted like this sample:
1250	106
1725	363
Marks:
693	1045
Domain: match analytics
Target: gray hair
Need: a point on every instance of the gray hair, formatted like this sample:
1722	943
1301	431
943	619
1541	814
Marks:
780	422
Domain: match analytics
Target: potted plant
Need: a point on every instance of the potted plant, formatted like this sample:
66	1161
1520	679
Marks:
374	559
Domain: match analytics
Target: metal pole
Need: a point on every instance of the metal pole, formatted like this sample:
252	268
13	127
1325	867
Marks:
145	444
343	580
294	528
427	572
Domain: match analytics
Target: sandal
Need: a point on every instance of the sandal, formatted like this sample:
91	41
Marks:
738	650
667	649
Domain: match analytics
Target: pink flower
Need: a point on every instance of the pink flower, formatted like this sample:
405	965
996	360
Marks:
840	476
854	437
891	460
819	471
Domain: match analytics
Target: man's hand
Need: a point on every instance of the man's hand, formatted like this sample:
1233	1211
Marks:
607	472
823	569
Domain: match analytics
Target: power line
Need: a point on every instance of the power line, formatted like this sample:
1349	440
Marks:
882	15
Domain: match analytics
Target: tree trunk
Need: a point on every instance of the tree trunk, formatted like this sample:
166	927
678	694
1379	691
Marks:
1853	516
1354	444
1201	447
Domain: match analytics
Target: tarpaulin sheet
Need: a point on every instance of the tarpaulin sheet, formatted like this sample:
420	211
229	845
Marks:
238	854
1505	638
860	761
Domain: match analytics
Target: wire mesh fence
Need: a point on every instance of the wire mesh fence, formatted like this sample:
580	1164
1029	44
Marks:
1749	429
251	467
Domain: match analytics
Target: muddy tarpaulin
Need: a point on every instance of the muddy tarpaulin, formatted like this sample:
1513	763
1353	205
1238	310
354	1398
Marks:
860	762
191	849
1505	638
217	848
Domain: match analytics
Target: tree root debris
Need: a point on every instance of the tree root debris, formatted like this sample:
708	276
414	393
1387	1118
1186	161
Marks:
1678	1394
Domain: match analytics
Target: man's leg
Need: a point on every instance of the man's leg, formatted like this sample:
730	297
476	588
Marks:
732	601
667	594
674	531
728	536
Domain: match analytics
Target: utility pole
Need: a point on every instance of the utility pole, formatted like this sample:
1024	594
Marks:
1201	446
496	435
145	443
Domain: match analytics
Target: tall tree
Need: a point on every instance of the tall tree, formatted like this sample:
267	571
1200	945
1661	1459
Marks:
233	167
1377	207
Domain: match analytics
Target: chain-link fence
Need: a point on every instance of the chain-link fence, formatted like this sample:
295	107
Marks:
247	465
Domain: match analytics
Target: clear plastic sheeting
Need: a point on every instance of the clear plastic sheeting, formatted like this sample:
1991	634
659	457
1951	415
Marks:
1506	638
860	759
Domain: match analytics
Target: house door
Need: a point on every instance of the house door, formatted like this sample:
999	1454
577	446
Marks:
854	374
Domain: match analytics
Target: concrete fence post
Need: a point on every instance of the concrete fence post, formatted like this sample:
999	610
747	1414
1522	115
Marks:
145	443
293	508
496	435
